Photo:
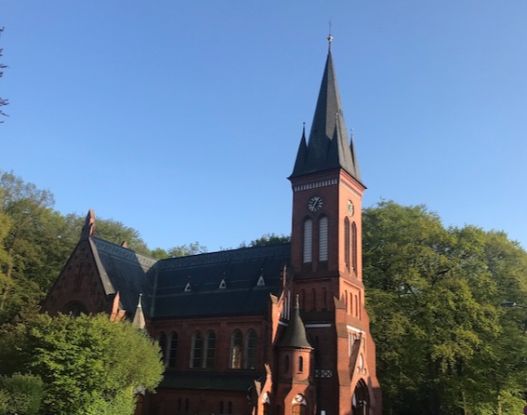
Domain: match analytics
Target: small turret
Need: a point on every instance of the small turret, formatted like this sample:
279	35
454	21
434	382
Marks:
139	317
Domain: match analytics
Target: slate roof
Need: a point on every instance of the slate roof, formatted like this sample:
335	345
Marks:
121	270
329	146
208	381
295	332
202	274
164	282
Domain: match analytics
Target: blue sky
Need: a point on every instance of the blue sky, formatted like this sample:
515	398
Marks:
182	119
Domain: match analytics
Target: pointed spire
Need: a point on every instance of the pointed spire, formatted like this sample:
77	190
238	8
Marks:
295	333
328	146
139	317
88	230
301	155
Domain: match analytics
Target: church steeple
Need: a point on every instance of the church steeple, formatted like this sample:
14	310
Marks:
329	146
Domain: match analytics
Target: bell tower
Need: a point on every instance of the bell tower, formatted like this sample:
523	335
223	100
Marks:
326	257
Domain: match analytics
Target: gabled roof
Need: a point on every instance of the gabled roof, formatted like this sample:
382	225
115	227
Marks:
329	146
240	268
121	270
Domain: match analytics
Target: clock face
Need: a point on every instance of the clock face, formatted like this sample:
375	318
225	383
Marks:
351	208
315	203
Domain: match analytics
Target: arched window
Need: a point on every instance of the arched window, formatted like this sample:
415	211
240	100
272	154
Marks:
308	241
360	306
314	298
196	358
286	363
300	364
354	246
163	346
323	239
236	350
173	350
211	349
347	242
252	342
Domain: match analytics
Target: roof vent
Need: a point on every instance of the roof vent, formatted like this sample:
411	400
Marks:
223	285
188	288
260	282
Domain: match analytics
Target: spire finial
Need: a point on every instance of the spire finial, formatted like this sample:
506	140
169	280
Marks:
303	129
330	37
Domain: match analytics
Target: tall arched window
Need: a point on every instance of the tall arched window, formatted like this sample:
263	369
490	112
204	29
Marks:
236	350
354	246
300	364
252	342
308	241
323	239
347	242
211	350
163	346
196	358
173	350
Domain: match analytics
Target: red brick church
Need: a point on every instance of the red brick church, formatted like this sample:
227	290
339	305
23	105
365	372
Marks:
273	330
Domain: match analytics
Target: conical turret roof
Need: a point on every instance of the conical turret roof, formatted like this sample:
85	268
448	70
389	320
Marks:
295	333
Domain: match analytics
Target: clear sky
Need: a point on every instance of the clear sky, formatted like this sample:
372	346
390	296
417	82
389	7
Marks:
182	118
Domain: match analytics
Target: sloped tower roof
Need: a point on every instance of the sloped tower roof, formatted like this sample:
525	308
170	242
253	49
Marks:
295	333
329	146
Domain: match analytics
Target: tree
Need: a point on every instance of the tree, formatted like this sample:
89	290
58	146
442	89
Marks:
3	101
192	248
20	394
88	364
267	239
434	298
35	242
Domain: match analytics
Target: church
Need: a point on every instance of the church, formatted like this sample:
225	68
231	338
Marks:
269	330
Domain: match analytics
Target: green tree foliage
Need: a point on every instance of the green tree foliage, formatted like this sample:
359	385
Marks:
35	242
89	365
20	394
434	298
192	248
266	240
270	239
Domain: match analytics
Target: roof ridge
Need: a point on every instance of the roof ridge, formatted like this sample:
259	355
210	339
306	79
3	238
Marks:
243	248
124	248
